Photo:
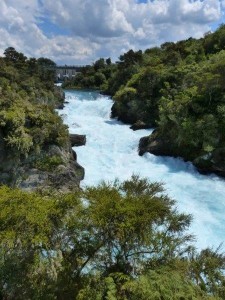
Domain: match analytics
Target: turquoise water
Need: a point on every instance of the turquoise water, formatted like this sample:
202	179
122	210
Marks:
111	152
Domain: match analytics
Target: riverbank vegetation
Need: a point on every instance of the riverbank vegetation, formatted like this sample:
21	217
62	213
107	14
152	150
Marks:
28	99
178	88
29	125
120	240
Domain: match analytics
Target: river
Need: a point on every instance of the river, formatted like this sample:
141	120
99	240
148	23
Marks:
111	152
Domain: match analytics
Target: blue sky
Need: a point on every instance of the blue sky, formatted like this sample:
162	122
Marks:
50	29
80	31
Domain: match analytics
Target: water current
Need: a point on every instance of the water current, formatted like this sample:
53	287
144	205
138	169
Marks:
111	152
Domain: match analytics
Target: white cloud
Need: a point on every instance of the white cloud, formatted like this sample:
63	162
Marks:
84	18
68	50
101	27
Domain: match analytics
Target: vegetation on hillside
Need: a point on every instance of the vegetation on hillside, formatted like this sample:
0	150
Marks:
120	240
27	101
28	121
177	88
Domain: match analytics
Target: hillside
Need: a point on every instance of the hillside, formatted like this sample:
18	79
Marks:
35	149
177	88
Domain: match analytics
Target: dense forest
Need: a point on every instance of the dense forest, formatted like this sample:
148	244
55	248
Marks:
119	240
177	88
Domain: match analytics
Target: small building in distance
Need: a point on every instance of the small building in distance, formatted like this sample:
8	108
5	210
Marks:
66	72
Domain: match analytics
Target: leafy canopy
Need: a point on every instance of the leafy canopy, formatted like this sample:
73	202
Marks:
120	240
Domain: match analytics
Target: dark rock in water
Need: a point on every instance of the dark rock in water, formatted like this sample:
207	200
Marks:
113	111
139	125
77	140
60	106
74	155
155	145
213	162
143	145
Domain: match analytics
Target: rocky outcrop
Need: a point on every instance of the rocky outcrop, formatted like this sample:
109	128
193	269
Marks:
213	162
77	140
60	106
156	145
60	96
53	168
62	173
139	125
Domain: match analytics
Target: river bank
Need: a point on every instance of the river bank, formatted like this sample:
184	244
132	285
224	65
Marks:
111	152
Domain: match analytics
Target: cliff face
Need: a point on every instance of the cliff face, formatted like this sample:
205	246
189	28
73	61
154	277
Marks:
54	167
62	172
214	162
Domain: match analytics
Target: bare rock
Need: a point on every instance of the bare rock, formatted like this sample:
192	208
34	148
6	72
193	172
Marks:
155	145
74	155
139	125
213	162
60	106
77	140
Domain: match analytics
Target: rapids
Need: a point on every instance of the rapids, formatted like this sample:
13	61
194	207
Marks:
111	152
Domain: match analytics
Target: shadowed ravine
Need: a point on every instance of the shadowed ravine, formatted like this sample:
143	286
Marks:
111	152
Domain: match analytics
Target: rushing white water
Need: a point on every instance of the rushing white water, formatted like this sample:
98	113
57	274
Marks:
111	152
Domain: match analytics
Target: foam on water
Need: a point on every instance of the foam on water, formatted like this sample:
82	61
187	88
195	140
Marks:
111	152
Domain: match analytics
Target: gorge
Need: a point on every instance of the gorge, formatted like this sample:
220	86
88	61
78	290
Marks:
111	152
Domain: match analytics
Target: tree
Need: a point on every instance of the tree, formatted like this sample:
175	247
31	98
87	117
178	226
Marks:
99	64
130	58
122	239
108	61
46	62
99	78
46	70
13	56
135	221
207	269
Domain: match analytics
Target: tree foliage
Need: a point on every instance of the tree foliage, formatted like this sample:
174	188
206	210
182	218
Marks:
27	101
119	240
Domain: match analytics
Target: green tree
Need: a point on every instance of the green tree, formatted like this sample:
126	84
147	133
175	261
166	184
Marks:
135	221
120	240
13	56
99	64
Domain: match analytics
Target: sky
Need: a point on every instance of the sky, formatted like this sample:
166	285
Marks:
78	32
